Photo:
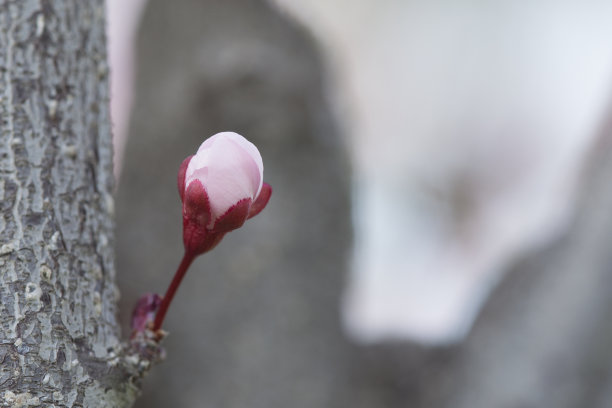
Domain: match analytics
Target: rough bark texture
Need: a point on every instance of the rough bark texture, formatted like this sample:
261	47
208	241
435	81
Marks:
59	338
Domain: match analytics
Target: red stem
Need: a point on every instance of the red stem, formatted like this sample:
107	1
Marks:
188	257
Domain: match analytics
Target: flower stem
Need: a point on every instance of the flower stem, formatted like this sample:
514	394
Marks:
188	258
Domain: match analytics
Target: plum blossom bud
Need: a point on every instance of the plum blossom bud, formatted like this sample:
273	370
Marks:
221	186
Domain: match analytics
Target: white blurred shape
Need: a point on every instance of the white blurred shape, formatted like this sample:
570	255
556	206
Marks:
123	19
469	123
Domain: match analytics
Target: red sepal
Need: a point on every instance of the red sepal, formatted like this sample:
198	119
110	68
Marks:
181	176
234	217
196	205
261	201
197	238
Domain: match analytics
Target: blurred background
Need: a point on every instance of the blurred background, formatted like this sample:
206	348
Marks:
441	220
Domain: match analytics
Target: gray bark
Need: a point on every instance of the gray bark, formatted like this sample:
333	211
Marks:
59	337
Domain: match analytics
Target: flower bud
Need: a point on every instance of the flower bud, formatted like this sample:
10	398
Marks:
221	186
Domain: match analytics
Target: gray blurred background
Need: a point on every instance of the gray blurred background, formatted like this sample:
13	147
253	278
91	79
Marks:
258	321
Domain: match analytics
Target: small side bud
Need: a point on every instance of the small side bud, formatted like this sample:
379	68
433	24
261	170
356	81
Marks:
144	313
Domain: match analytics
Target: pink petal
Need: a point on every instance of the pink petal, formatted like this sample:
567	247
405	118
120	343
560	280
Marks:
247	146
252	150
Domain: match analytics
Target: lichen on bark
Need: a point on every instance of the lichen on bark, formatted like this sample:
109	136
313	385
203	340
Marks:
59	338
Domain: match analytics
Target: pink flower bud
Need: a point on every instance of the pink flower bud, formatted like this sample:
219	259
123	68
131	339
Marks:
221	186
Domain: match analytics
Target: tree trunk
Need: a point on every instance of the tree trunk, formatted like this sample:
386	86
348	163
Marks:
59	341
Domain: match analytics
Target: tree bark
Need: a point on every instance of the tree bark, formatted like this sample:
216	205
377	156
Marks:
59	336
